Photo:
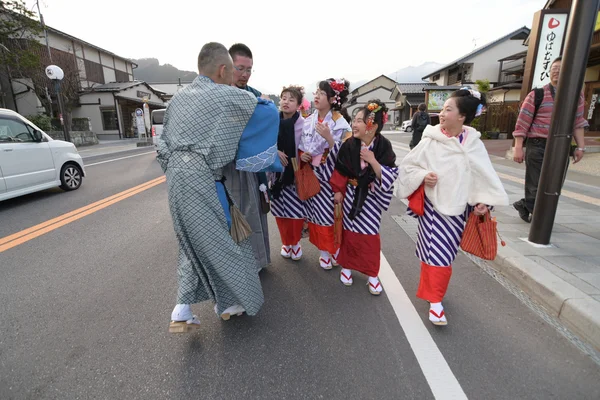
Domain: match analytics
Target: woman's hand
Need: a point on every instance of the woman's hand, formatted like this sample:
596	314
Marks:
367	156
324	131
306	157
338	198
430	179
283	158
480	209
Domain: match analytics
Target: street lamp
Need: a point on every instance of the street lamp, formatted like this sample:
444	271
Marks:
56	73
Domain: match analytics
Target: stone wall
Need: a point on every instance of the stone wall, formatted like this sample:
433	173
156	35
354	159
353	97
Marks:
79	138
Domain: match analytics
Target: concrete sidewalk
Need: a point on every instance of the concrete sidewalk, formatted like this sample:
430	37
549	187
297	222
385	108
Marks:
565	277
111	147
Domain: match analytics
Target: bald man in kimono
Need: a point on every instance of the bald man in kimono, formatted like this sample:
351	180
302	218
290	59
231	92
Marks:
208	125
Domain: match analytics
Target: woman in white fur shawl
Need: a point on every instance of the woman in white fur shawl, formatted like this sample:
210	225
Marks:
453	166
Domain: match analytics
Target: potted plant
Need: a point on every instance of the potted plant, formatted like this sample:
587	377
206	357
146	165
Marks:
494	134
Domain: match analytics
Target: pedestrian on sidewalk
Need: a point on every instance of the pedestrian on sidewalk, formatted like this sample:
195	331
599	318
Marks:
453	168
286	206
532	128
245	187
329	118
206	124
419	122
363	181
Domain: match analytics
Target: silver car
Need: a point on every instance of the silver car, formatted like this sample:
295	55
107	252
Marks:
157	118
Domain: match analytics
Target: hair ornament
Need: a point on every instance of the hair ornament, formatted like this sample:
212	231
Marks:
473	92
338	86
479	110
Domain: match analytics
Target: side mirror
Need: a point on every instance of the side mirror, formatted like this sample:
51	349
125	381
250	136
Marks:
37	136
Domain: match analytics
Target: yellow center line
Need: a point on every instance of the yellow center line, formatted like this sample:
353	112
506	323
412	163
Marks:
566	193
28	234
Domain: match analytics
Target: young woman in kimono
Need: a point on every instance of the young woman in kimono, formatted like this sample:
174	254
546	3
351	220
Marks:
287	208
458	177
363	180
328	119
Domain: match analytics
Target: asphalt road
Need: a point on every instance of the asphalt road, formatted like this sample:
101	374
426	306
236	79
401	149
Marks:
85	310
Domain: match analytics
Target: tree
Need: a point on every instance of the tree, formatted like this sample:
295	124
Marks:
17	28
24	57
483	85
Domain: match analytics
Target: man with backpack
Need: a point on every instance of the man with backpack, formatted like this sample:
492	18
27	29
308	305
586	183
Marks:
419	122
533	125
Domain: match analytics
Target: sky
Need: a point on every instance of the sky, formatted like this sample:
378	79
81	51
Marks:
293	42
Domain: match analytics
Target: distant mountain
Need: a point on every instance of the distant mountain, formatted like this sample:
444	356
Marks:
150	70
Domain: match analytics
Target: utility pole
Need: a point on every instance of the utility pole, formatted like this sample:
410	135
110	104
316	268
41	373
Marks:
37	3
554	167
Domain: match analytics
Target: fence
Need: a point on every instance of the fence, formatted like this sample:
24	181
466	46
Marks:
77	124
500	117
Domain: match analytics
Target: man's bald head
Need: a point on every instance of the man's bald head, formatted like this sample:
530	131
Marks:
215	62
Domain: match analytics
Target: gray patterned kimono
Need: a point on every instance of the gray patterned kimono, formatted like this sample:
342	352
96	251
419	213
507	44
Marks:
203	125
243	187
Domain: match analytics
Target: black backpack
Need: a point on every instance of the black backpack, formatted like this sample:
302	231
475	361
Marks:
539	97
422	121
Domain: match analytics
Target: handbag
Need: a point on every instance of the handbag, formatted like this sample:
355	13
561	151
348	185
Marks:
307	184
338	225
479	236
416	201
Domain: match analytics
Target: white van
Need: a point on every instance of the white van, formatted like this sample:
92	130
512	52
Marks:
157	118
31	161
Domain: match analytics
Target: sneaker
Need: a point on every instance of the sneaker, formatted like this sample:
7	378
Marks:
296	252
286	251
523	212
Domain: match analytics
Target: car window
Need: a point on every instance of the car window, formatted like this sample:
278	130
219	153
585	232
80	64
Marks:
12	130
158	117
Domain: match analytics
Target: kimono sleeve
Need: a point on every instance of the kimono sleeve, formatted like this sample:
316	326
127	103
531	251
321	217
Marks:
257	149
385	185
164	152
325	170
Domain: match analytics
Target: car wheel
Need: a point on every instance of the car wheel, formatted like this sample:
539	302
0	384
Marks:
70	177
409	129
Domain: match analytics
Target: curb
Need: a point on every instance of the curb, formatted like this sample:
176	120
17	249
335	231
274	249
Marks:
577	310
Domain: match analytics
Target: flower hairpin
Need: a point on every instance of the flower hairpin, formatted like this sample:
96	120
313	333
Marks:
338	86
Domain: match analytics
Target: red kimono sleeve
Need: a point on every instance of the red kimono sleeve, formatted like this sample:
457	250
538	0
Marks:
338	182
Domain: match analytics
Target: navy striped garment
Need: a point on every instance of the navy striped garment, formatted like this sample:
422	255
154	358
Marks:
378	200
319	209
438	235
288	205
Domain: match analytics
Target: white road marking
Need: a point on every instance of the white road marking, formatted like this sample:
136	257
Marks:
438	374
117	159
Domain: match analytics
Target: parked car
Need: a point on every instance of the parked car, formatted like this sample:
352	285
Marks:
407	125
31	161
157	118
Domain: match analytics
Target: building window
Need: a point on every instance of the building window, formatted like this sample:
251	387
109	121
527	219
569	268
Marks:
109	120
94	72
436	77
121	76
